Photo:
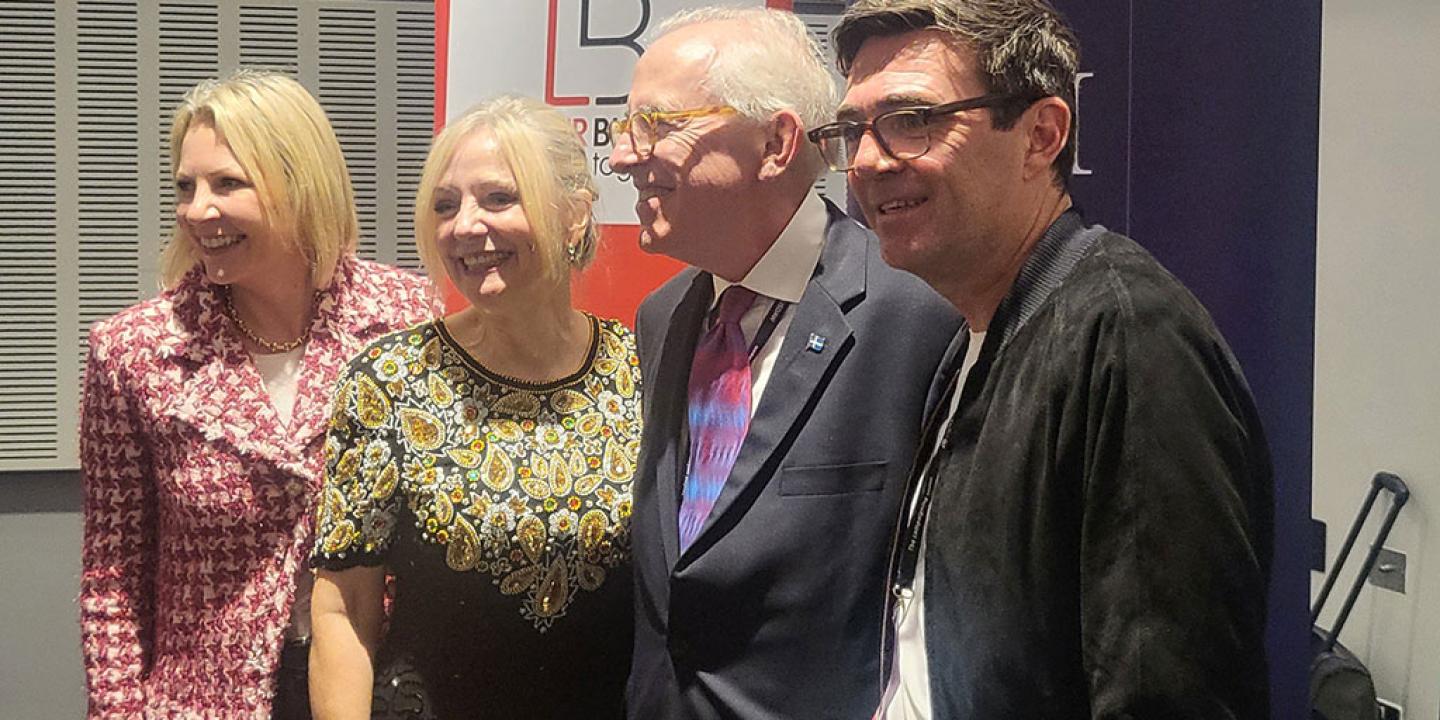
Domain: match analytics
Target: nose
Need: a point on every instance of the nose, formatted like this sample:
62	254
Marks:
623	157
469	220
200	206
871	158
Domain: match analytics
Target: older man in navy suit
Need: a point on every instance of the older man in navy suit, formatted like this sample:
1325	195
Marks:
786	377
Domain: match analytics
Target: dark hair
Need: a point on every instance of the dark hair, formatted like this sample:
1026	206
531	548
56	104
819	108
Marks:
1022	48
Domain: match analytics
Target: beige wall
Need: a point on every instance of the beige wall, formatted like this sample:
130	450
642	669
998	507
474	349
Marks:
1377	308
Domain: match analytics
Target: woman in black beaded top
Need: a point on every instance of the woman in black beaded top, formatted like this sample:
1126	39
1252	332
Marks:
484	460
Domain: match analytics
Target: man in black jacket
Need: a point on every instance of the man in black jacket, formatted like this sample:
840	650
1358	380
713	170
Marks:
1087	533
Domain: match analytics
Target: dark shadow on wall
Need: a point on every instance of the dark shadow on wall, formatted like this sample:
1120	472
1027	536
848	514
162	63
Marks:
56	491
41	674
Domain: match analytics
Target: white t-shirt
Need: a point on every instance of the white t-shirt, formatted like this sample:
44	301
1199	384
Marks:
907	696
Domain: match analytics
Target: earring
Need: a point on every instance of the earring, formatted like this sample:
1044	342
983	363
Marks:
572	252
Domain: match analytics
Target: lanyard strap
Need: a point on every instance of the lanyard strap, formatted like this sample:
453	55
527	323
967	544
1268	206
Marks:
767	327
912	530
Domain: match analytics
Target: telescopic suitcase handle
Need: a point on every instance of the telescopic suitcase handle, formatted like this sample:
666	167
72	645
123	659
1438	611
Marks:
1397	487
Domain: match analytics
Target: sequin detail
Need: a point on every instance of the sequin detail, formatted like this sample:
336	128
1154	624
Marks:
527	484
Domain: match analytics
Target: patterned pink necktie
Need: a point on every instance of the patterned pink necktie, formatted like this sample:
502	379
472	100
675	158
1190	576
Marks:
719	410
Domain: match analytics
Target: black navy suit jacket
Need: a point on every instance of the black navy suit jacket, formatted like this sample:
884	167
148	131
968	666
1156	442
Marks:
775	610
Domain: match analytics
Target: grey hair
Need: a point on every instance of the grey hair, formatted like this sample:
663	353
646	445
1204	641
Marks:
1022	48
777	66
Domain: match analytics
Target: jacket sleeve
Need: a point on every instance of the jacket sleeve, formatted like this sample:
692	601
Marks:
118	554
1177	526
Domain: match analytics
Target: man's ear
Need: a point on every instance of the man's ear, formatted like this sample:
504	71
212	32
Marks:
1047	128
784	135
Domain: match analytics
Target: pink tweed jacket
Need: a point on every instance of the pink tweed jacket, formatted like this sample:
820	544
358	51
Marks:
198	500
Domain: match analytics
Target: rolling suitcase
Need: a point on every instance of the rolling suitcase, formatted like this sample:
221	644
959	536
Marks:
1340	685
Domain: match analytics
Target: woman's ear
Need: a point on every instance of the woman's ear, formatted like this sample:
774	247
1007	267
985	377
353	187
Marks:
579	231
582	208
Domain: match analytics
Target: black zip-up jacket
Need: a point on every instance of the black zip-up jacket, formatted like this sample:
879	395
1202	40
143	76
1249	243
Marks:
1100	536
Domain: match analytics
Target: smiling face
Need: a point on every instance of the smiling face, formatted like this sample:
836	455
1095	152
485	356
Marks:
944	214
219	211
482	235
700	171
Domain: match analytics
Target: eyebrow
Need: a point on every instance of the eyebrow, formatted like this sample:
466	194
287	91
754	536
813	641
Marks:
483	185
669	108
229	171
891	102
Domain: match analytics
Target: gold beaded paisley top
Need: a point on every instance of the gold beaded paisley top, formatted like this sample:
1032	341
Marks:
434	462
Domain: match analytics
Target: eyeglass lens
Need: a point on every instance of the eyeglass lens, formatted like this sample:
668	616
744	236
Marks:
642	133
903	134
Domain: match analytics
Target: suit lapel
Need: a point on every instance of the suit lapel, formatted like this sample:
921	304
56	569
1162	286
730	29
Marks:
837	283
668	412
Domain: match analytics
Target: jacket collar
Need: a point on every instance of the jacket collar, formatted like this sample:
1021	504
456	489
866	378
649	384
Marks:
842	268
222	394
1051	261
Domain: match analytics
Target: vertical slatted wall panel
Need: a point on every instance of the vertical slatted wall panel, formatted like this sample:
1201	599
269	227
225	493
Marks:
68	262
347	89
29	341
107	143
414	119
189	37
270	37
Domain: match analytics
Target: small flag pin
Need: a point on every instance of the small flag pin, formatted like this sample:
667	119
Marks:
817	343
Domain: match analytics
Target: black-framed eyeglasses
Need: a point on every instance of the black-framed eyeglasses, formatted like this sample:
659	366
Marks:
903	133
645	127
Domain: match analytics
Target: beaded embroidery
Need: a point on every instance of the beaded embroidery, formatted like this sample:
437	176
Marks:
529	484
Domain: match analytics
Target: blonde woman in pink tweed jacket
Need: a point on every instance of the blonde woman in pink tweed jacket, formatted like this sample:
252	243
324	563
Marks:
205	409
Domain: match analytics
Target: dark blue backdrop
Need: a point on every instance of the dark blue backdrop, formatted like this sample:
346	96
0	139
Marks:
1200	130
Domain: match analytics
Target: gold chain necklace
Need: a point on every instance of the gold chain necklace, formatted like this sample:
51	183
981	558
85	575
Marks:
274	347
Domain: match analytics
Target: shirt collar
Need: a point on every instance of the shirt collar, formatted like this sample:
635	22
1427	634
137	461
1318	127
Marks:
785	269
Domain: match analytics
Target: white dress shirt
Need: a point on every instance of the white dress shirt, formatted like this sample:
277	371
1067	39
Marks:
782	273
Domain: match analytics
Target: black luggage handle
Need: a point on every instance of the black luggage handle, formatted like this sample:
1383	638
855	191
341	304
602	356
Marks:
1394	484
1397	487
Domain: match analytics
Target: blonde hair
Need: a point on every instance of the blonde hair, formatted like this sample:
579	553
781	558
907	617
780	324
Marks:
283	141
552	176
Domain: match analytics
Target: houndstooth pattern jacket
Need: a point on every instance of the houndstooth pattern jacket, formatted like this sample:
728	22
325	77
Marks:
198	500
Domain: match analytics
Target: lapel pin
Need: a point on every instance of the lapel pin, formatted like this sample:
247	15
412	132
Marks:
816	344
